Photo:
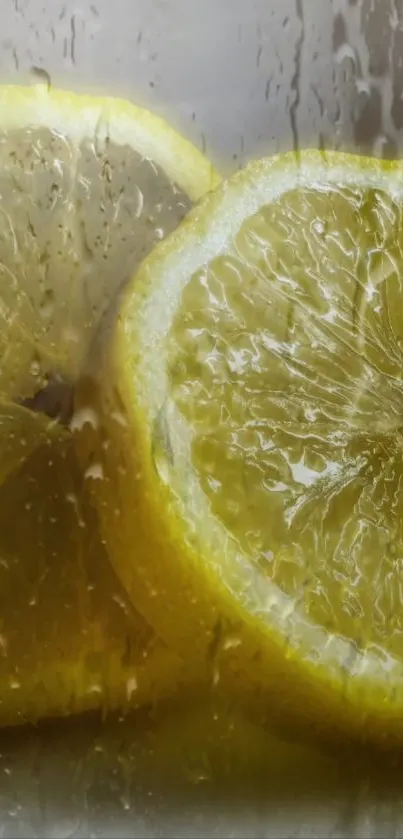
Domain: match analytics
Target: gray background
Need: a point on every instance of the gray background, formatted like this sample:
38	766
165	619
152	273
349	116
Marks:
241	77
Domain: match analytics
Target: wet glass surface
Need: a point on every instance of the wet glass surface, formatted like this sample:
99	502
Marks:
241	79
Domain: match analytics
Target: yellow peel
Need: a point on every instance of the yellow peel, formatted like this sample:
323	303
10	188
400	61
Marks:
78	117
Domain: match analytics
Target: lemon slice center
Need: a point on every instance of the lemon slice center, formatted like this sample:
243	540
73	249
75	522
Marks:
285	359
75	219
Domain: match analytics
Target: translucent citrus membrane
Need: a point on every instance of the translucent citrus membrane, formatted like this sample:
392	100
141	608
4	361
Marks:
75	220
69	639
21	432
285	357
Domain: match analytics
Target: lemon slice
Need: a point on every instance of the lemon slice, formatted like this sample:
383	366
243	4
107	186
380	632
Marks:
87	186
252	399
69	639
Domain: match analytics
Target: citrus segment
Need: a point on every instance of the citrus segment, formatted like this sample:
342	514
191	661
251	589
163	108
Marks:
69	639
21	432
252	399
88	185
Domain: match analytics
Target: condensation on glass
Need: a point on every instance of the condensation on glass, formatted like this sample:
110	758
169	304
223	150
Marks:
241	78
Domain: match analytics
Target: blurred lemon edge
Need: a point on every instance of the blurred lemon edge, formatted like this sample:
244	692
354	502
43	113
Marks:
63	686
69	640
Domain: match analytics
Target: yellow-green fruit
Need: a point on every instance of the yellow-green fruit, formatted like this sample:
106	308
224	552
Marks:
251	401
70	641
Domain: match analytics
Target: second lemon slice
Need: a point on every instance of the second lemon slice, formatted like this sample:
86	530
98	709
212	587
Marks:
87	186
252	397
70	641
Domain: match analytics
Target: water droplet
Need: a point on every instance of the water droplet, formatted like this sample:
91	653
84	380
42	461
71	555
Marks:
106	174
200	773
95	688
231	642
382	147
343	52
318	227
47	304
119	418
72	499
101	136
35	367
83	417
131	687
121	603
42	77
73	39
139	207
363	87
125	802
95	472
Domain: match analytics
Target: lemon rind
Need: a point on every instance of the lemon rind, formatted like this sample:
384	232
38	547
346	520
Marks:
81	117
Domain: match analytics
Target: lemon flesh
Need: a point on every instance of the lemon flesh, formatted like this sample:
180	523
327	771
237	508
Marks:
21	432
88	186
70	641
252	394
